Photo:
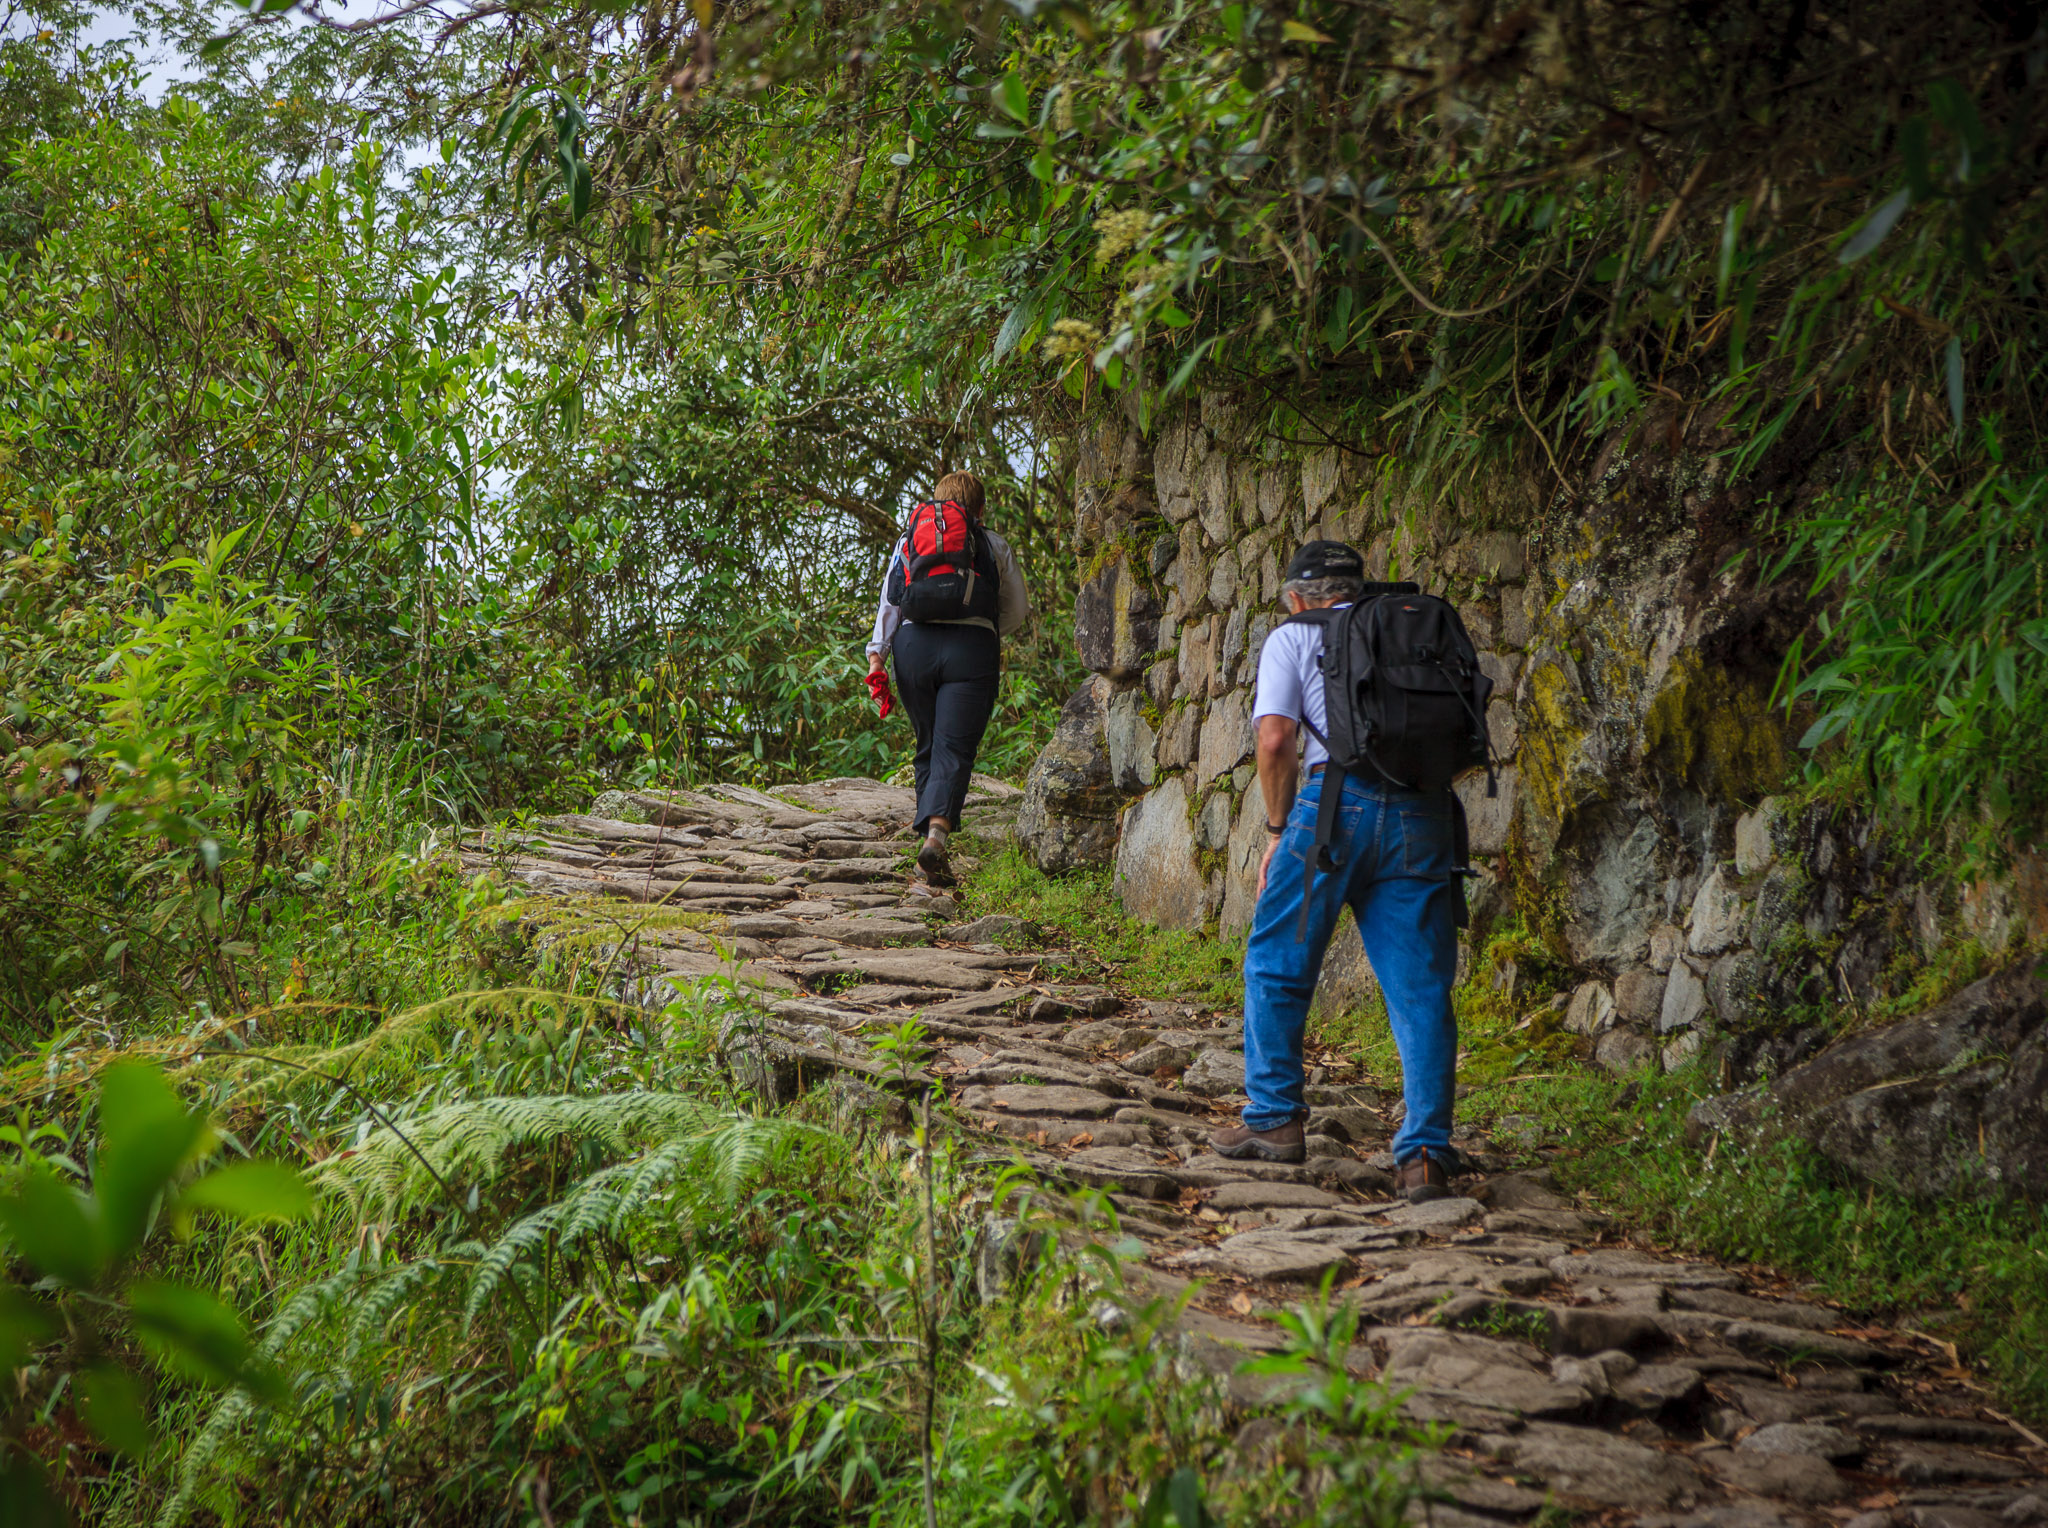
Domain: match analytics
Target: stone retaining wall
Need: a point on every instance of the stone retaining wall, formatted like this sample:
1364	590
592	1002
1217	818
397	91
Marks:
1633	659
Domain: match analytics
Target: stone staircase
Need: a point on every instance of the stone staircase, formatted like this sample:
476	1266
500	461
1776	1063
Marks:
1571	1365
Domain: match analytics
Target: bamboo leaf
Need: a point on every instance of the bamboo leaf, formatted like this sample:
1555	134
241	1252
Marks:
1875	227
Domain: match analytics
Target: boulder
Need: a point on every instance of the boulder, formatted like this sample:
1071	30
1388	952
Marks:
1717	914
1601	1467
1946	1102
1157	875
1246	848
1226	738
1212	822
1735	987
1175	460
1494	556
617	806
1503	727
1625	1050
1212	498
1133	748
1685	998
1755	834
1666	940
1215	1074
1830	1443
1071	801
1681	1051
1639	994
1490	819
1347	983
992	929
1615	893
780	1061
1116	621
1230	652
1777	906
1592	1010
1198	656
1161	679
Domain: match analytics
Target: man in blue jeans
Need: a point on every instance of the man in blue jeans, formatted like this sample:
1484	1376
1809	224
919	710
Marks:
1395	849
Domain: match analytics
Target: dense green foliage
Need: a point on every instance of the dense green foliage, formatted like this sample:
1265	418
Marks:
281	480
558	1270
1798	253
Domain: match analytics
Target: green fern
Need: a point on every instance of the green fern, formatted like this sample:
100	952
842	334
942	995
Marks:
237	1406
681	1157
468	1142
705	1174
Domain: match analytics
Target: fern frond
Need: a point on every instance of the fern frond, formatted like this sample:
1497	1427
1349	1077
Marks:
396	1036
467	1142
387	1291
305	1307
526	1235
707	1175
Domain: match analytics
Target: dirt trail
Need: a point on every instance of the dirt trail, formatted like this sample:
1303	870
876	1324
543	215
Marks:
1576	1366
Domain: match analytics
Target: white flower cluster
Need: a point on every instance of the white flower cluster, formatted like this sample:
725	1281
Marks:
1071	337
1120	232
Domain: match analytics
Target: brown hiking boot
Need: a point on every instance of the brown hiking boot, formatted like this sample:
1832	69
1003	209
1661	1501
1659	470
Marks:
931	859
1283	1143
1422	1177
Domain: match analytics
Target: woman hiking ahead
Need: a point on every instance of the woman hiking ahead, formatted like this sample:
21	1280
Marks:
952	592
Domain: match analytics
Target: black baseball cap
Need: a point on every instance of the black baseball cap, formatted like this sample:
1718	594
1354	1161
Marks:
1325	559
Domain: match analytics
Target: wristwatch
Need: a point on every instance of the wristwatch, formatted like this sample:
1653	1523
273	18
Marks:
1276	828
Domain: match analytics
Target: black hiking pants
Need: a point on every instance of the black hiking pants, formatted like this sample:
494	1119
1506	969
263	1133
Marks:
947	678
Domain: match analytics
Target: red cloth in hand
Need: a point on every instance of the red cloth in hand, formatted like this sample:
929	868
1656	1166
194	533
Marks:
878	686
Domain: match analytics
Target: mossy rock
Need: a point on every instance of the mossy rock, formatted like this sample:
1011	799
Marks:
617	806
1717	729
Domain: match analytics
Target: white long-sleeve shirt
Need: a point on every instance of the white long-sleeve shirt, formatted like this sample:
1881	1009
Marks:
1013	600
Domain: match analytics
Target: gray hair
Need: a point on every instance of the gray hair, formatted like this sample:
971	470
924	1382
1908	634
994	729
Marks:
1324	591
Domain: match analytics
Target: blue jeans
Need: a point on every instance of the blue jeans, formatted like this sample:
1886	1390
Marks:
1396	851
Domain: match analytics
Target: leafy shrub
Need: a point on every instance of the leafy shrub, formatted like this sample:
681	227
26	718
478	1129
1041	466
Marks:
70	1341
1931	667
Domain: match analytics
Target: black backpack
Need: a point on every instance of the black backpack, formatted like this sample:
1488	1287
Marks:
946	570
1405	703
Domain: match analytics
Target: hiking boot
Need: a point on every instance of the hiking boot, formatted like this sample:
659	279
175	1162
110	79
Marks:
931	859
1283	1143
1423	1177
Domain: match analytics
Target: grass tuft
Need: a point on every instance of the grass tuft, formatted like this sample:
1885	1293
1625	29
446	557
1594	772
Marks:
1080	911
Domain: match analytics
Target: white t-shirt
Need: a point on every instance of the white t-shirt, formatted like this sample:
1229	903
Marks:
1291	685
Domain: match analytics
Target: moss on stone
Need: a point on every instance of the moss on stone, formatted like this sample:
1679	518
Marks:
590	923
1717	729
1553	731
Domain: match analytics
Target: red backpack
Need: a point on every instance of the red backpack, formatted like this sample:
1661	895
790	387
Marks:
943	569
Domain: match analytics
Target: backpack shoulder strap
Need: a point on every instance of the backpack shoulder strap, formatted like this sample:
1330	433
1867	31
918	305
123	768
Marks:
909	528
1321	856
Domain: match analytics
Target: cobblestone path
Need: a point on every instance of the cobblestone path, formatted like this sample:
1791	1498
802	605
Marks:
1575	1365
